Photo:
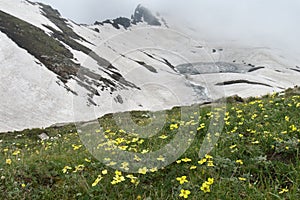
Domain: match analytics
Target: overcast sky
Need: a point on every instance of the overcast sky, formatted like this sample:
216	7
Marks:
270	21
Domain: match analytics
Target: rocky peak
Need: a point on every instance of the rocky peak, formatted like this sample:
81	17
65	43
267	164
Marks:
143	14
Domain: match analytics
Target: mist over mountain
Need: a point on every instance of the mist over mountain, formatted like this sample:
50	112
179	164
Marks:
54	70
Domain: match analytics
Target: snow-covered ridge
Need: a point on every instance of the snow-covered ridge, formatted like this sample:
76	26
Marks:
27	11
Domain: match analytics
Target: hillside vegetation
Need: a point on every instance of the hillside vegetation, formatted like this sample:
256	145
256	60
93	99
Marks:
256	157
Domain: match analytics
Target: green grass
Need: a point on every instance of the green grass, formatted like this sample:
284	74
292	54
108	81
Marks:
256	156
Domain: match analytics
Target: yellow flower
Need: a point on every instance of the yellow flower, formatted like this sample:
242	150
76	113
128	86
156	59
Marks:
78	168
8	161
163	137
182	180
15	153
253	116
205	187
232	146
118	173
283	190
154	169
193	167
143	170
255	142
186	160
66	168
161	158
210	164
123	148
208	156
112	163
136	158
178	161
76	147
293	127
202	126
117	179
104	172
242	179
173	126
125	166
144	151
239	161
141	141
98	179
23	185
184	193
87	160
202	161
134	140
133	179
210	181
287	118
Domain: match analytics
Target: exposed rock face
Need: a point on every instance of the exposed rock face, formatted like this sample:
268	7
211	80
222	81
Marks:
120	21
142	14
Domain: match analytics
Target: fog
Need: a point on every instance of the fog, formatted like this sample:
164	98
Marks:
271	23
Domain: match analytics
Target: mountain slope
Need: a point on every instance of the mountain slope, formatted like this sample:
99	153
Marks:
54	70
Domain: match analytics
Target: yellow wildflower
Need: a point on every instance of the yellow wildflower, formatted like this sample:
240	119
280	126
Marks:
98	179
65	169
118	173
76	147
182	180
239	161
210	163
154	169
117	179
15	153
283	190
163	137
184	193
193	167
205	187
208	156
78	168
210	181
8	161
287	118
161	158
186	160
202	161
136	158
143	170
125	165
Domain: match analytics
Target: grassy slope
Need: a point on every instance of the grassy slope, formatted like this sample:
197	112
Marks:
262	133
